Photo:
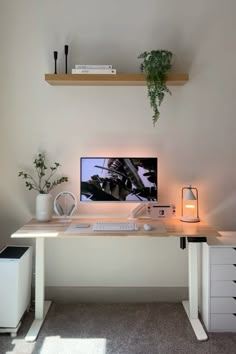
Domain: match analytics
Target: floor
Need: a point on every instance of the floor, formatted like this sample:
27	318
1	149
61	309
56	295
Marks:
152	328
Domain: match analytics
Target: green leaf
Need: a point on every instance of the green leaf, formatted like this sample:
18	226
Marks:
41	182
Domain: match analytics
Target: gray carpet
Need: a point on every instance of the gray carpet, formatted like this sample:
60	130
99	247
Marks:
157	328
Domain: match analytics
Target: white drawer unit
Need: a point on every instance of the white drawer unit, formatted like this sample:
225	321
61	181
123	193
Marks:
222	288
223	305
218	306
221	320
223	272
224	255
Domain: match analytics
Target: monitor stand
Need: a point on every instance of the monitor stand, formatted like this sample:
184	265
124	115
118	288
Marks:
135	213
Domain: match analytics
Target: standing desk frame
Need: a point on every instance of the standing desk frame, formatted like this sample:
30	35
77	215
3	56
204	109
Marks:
195	232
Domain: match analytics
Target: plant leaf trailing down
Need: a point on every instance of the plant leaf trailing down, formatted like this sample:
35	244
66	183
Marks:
156	65
43	182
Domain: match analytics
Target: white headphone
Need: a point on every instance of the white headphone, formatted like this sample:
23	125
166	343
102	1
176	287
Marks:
68	206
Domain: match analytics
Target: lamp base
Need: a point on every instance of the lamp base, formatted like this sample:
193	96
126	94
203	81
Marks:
186	219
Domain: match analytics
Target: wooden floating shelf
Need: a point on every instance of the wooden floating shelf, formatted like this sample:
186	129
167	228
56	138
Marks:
109	80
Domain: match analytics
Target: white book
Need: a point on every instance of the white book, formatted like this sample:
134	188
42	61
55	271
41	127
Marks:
96	66
93	71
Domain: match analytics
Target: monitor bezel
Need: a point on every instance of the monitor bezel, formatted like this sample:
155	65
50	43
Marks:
117	201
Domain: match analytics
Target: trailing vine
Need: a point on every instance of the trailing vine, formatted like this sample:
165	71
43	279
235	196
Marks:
156	65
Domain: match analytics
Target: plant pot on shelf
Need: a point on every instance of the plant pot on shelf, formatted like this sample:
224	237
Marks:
156	65
44	207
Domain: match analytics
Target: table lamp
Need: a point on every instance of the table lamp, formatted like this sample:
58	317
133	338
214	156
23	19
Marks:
189	204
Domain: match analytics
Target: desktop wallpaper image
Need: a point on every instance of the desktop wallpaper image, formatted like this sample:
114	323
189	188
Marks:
118	179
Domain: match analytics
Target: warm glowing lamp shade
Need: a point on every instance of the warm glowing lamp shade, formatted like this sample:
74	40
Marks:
189	204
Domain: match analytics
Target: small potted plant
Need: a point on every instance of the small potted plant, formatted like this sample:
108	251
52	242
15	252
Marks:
156	65
43	183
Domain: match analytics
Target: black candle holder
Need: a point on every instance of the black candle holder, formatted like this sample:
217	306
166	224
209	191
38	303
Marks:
55	59
66	54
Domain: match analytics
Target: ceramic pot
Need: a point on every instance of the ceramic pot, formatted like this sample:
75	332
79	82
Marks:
44	207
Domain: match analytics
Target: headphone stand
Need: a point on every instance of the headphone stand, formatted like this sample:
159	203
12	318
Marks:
65	204
64	219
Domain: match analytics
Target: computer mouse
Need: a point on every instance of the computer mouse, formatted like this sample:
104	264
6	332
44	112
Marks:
147	227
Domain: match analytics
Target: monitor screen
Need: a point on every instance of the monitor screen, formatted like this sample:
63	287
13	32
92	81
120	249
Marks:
116	179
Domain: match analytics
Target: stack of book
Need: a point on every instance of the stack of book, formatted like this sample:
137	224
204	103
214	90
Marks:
93	69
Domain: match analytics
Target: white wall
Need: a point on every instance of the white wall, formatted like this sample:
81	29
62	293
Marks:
194	138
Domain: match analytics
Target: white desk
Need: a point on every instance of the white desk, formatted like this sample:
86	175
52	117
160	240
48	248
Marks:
172	227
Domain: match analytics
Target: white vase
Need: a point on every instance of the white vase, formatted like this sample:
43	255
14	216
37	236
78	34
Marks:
44	207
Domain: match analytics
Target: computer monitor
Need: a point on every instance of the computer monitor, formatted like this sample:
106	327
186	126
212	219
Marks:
118	179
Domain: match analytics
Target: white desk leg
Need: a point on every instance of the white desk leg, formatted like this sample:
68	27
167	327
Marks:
191	306
41	306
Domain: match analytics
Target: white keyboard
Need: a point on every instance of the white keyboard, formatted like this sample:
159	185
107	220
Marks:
115	226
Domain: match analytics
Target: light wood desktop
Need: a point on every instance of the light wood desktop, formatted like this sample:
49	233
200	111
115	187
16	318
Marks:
194	232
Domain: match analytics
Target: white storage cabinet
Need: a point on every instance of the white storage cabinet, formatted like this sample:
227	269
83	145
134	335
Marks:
15	285
219	283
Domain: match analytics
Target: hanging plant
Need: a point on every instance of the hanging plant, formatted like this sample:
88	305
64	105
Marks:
156	65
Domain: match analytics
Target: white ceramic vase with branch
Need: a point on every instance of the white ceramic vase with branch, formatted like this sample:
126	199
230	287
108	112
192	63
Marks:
43	183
